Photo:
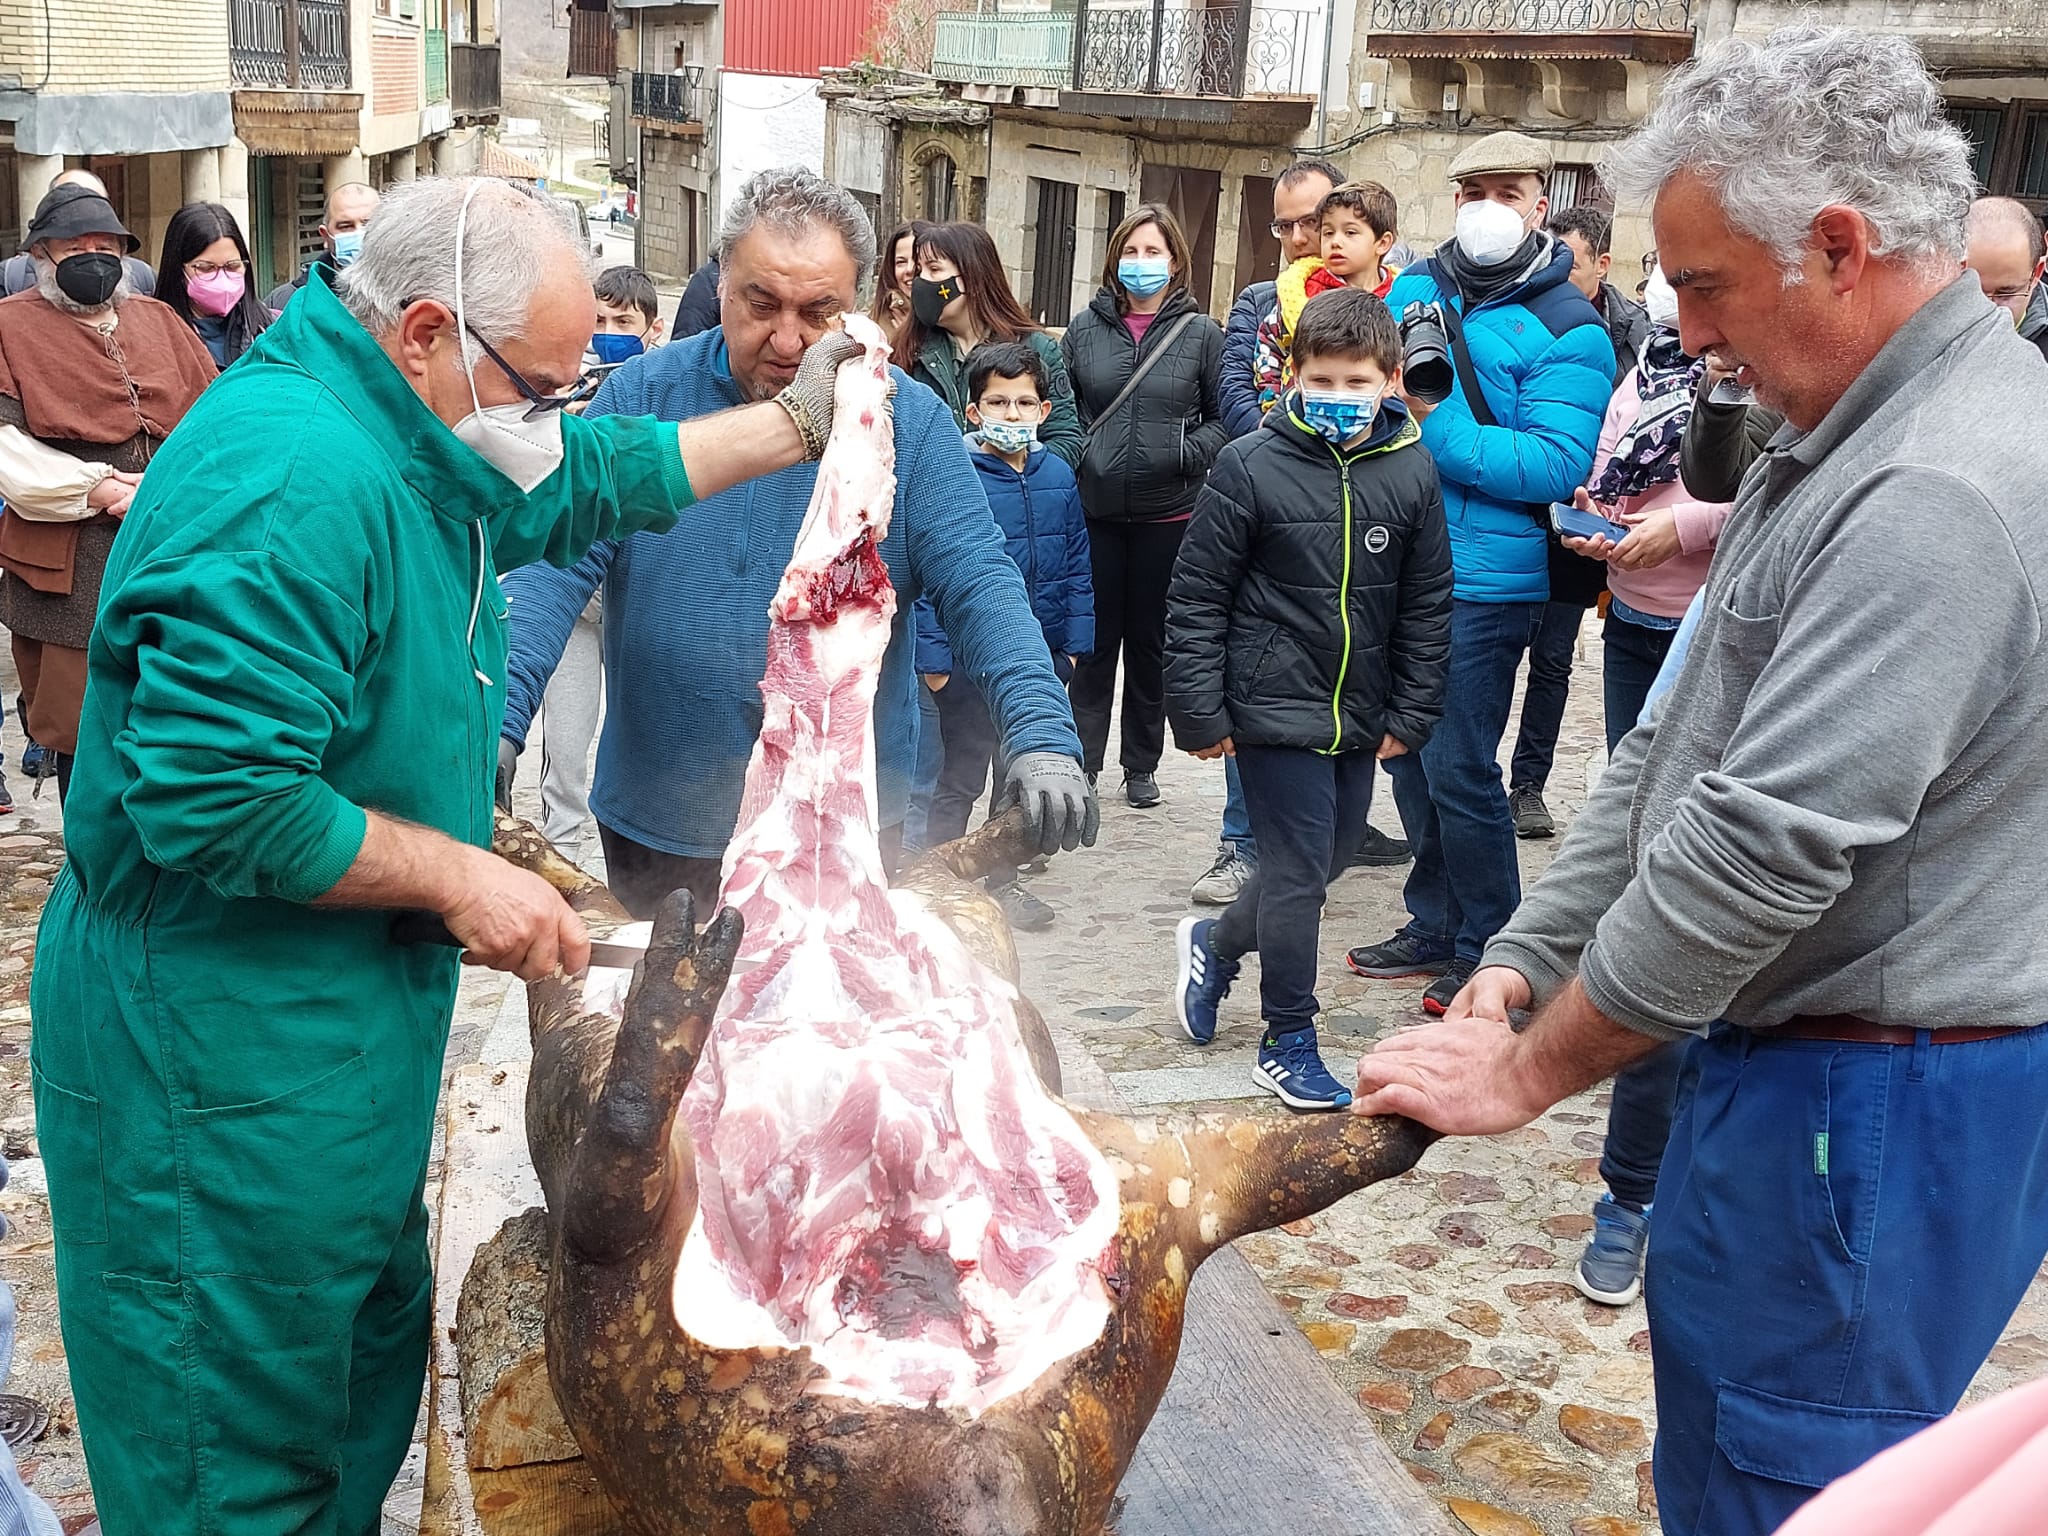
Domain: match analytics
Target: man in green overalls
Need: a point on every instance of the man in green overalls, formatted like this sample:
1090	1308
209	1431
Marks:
291	726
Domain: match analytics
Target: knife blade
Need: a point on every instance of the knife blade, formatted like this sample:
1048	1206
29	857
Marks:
420	927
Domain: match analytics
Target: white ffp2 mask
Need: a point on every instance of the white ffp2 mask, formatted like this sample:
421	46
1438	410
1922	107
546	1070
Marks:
524	449
1489	232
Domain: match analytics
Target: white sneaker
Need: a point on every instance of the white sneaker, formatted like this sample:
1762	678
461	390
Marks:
1226	877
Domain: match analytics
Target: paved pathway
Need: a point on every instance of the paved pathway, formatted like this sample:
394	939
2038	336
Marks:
1441	1299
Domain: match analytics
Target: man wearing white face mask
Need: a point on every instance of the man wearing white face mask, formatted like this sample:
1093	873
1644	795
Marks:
1517	432
296	682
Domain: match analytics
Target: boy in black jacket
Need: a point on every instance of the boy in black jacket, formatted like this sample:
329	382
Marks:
1307	632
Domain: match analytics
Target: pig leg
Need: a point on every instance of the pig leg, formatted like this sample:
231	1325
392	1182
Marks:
621	1180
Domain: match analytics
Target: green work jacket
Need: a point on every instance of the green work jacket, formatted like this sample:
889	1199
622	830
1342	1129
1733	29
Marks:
301	619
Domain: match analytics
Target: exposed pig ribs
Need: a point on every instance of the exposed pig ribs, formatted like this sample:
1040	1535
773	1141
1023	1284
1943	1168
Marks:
882	1179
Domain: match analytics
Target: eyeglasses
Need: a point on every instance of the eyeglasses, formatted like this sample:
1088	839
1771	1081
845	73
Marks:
1282	228
538	404
208	268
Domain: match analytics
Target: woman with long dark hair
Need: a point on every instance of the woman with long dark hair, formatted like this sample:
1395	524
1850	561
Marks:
958	300
893	272
1148	449
204	276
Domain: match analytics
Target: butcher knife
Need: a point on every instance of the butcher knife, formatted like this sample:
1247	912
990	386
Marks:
419	927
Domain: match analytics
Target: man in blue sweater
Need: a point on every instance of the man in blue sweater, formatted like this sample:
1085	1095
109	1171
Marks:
686	612
1518	436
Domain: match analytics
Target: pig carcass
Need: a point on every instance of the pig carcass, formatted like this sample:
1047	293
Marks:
829	1253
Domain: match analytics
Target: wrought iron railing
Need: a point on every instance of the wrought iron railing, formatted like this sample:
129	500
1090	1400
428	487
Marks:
998	49
289	44
437	64
1184	50
676	98
1426	16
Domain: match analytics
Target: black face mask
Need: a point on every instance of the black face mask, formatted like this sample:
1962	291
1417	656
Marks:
930	296
89	278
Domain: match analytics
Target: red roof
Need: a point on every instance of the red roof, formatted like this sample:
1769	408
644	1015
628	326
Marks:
796	37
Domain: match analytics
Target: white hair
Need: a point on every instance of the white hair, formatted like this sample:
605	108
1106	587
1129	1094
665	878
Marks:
1808	118
46	285
792	199
409	254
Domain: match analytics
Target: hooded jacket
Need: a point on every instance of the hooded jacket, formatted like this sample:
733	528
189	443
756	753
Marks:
941	367
1546	368
1311	602
1145	463
1046	538
2034	323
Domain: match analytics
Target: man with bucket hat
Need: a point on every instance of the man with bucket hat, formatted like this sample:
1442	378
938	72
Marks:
93	377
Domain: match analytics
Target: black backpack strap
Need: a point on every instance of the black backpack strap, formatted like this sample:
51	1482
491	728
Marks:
1461	361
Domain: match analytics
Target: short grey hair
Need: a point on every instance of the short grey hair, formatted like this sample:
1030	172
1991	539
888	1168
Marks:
1808	118
409	254
792	199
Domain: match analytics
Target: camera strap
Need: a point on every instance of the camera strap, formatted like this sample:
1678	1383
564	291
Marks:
1461	362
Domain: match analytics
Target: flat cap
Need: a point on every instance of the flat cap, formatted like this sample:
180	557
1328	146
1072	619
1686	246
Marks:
69	211
1503	154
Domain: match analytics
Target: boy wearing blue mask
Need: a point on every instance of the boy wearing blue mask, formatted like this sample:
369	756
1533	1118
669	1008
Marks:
1308	633
1037	505
628	316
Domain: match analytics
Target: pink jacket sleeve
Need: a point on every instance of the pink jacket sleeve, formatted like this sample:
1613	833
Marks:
1698	522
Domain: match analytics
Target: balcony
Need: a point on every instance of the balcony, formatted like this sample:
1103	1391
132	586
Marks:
1014	49
473	81
291	71
671	104
436	65
1145	58
289	45
1649	31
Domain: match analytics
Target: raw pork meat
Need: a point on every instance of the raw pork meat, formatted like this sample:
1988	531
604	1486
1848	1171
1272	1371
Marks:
882	1178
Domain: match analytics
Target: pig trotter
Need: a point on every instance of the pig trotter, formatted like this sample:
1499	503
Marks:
620	1183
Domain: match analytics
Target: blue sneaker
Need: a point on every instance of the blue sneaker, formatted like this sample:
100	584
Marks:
1290	1066
1203	980
1611	1269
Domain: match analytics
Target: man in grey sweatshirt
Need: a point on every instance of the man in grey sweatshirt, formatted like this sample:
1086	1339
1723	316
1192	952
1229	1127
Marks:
1821	858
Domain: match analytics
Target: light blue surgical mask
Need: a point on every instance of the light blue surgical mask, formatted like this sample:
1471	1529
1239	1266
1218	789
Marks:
1009	436
1338	414
348	245
1144	275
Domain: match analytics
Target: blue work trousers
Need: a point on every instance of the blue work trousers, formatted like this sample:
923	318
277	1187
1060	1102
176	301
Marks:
1466	882
1841	1233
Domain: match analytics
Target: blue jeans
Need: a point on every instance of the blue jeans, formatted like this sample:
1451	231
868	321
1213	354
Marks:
924	780
1630	655
1466	883
1237	821
21	1512
1543	701
1842	1231
1309	813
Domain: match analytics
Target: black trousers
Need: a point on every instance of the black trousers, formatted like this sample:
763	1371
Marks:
1132	564
971	744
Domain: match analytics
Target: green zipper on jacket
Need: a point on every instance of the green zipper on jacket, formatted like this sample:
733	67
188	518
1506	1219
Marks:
1406	435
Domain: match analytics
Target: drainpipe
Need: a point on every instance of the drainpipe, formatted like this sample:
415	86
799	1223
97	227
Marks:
1323	85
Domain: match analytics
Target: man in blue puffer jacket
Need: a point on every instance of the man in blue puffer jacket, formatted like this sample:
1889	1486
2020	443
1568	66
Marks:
1545	370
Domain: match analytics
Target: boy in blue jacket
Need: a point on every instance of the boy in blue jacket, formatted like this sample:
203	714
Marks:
1038	507
1308	631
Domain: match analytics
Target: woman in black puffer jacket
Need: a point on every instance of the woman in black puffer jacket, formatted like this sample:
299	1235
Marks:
1142	465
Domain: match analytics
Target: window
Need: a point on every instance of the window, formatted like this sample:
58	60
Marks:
1980	125
2030	176
1578	186
938	189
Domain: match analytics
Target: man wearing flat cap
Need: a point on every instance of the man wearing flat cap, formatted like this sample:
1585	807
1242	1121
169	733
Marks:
1516	433
93	376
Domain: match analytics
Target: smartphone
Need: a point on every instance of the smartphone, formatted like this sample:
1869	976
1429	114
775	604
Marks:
1574	524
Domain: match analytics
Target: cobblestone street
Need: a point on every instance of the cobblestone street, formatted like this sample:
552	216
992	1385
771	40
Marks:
1442	1300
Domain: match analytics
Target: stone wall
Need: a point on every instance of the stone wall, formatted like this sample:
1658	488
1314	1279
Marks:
671	168
117	45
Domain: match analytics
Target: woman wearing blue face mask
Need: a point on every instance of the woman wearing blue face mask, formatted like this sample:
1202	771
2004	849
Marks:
1145	361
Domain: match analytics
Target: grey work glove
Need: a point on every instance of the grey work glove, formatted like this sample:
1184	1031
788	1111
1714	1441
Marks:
808	396
1059	803
508	765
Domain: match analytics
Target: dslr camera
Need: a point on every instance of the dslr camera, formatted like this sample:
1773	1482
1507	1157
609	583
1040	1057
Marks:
1426	370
